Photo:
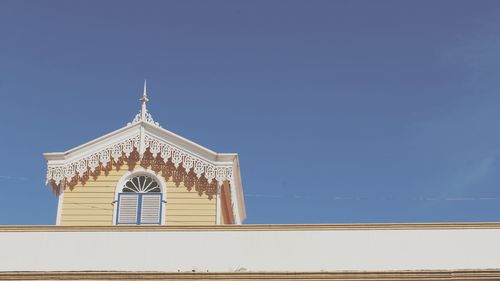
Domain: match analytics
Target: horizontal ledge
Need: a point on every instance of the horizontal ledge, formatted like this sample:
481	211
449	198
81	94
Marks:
485	274
253	227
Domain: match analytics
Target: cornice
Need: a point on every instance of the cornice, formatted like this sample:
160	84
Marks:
488	274
255	227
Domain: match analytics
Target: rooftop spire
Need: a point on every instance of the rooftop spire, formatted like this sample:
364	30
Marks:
144	115
144	101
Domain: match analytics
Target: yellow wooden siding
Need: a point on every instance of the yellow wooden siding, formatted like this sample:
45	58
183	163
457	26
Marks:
90	204
188	207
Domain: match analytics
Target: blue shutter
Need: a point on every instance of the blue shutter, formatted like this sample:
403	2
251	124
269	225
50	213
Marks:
139	208
127	208
150	212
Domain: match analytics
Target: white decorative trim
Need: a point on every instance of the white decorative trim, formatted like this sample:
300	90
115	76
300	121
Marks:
65	172
238	188
218	212
146	117
234	203
188	160
59	173
60	199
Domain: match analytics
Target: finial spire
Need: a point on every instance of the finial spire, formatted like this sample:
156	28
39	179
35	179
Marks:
145	93
144	101
144	115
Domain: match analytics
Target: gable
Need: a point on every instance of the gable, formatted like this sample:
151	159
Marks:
145	140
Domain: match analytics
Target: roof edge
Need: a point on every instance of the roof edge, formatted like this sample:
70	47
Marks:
419	274
158	131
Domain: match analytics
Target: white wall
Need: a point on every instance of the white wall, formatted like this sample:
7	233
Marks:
220	251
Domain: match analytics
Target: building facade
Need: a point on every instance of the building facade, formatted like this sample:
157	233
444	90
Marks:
143	174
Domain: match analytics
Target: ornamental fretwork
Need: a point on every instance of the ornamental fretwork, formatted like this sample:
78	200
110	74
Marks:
164	158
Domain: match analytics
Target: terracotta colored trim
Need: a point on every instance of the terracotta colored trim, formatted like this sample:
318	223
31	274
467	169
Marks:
227	210
245	276
254	227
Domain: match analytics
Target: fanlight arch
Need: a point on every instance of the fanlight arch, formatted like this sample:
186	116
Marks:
141	184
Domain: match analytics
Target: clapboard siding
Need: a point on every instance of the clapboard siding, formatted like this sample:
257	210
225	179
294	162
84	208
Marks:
71	195
90	200
103	218
88	212
181	212
188	207
91	203
203	207
87	189
185	223
190	218
87	223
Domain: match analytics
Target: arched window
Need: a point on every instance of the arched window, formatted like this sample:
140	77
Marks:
139	201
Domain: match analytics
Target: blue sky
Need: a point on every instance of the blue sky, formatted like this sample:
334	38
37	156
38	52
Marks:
341	111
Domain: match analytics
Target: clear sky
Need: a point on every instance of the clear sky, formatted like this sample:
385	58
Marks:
341	111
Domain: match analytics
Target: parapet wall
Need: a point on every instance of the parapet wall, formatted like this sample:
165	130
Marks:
252	248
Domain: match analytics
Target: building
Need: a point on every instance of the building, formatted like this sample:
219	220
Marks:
144	174
142	203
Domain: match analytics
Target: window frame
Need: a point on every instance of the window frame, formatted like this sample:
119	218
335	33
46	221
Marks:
140	172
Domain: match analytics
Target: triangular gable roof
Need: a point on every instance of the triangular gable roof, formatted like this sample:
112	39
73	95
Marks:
142	134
